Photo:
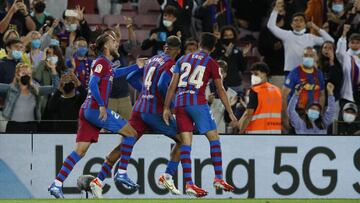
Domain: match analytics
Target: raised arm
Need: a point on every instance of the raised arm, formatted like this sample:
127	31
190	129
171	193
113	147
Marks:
341	45
278	32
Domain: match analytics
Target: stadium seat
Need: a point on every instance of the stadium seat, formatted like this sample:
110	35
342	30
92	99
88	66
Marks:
141	35
112	20
149	6
146	21
90	5
94	19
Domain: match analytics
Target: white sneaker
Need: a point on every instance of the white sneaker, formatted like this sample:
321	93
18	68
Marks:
166	181
96	188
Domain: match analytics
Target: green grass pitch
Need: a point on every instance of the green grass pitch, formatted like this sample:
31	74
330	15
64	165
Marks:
184	201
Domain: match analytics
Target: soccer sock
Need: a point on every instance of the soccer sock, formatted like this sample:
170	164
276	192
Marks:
215	151
171	168
67	166
186	163
126	149
105	171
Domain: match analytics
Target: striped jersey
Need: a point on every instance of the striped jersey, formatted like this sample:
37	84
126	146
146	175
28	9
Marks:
195	71
101	68
150	99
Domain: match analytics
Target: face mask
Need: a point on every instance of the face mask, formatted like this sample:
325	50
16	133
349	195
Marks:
36	43
167	23
313	114
53	59
227	41
40	7
81	51
16	54
354	52
337	8
255	80
54	42
71	27
25	79
308	62
69	87
348	117
301	32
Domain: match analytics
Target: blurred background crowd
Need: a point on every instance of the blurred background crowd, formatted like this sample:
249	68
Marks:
311	47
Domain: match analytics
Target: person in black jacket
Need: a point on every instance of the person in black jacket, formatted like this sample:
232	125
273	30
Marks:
65	104
159	35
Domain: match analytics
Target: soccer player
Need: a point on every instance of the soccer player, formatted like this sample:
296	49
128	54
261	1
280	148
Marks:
147	112
94	115
190	77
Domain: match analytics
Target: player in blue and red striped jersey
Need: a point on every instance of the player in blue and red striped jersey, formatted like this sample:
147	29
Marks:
94	115
191	74
147	112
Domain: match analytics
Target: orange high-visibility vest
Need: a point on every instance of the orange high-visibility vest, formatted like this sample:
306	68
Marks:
267	116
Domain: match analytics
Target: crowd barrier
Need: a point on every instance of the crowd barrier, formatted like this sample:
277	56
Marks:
258	166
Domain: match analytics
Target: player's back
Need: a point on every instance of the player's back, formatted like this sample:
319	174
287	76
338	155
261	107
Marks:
101	68
150	99
195	70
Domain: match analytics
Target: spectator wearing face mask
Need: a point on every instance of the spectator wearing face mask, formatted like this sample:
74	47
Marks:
16	17
80	62
227	50
312	80
350	61
350	118
296	40
263	111
313	121
52	64
35	54
40	16
64	105
159	35
22	108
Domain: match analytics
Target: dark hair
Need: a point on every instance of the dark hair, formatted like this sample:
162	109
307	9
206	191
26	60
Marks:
226	28
323	60
80	39
173	42
100	43
208	41
171	10
11	42
260	66
354	36
318	122
60	66
301	14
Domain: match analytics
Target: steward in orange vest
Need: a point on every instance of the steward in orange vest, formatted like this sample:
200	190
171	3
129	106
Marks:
263	112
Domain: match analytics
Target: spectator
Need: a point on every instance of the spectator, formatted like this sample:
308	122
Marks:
57	8
184	10
350	61
9	34
263	112
53	64
316	11
312	122
110	7
354	18
213	13
16	17
331	67
312	80
226	50
291	7
350	124
296	40
39	15
249	16
336	17
65	104
191	46
272	49
80	62
120	100
35	55
159	35
22	100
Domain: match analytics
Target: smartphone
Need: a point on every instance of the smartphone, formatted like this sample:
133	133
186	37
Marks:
71	13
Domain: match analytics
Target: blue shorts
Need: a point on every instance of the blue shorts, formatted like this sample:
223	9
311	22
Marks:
113	123
145	122
200	115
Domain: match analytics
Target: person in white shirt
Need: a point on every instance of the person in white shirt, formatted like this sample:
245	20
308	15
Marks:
350	61
295	40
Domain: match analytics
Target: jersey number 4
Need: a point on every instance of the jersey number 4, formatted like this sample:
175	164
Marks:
148	78
196	77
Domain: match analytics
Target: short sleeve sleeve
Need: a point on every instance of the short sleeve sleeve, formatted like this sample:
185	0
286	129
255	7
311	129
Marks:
215	70
99	68
177	67
291	80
